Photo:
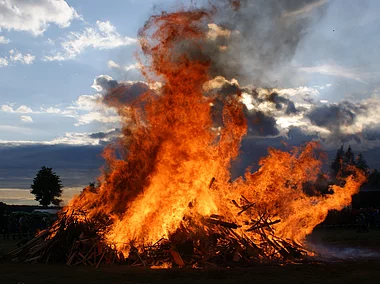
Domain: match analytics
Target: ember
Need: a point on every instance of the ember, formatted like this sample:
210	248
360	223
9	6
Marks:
166	197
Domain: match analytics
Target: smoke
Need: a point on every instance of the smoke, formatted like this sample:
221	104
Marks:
248	45
330	253
254	41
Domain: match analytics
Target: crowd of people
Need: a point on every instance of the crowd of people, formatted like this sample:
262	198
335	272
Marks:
23	225
362	219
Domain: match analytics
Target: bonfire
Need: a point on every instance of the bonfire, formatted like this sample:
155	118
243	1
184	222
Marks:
166	197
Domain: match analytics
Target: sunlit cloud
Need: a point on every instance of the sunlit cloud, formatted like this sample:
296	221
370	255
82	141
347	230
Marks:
102	36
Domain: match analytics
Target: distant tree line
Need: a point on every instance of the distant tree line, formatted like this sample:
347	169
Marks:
343	163
342	166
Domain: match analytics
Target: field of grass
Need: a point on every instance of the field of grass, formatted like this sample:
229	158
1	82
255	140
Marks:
350	270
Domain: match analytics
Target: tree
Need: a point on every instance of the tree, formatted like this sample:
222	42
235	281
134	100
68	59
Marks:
47	187
362	164
337	163
374	179
349	157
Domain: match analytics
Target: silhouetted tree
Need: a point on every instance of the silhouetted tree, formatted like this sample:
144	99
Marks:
47	187
362	164
91	187
374	179
349	157
337	163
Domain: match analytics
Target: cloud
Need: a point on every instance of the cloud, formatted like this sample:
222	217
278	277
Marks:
25	109
35	16
305	10
14	129
3	62
26	119
113	64
4	40
272	113
18	196
111	134
86	109
74	138
334	70
299	91
68	138
104	83
20	109
103	36
98	116
17	56
132	67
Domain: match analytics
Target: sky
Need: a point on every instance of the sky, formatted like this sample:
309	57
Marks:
58	58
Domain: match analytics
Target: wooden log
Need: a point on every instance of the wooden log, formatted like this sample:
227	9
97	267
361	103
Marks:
211	182
71	258
262	225
142	261
245	208
177	258
222	223
100	260
235	203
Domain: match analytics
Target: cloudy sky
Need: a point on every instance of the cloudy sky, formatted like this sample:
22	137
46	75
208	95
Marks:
57	58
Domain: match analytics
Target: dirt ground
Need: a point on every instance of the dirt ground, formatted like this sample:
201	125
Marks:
351	257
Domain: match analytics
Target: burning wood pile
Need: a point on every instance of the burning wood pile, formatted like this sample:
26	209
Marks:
76	240
68	241
155	205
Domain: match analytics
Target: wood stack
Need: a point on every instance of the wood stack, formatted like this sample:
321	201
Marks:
69	241
75	240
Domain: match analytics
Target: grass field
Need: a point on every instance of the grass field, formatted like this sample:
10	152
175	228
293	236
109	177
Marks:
355	268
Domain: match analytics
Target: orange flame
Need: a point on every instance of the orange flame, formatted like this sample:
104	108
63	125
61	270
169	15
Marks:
157	177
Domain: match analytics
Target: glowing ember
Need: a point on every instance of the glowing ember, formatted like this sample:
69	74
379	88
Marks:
170	172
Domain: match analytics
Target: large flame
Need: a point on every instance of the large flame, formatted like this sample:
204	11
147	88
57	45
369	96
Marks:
172	165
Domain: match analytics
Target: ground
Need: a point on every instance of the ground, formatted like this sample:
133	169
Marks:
355	258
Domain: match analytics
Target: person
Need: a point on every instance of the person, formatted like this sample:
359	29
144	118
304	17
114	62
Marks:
5	225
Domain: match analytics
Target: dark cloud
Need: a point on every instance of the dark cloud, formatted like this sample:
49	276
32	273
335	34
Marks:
120	93
260	124
282	103
371	132
126	92
340	119
77	165
105	135
264	36
104	83
335	116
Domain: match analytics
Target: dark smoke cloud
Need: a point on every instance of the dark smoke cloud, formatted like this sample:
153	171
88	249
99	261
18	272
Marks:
260	124
264	37
126	92
120	92
105	135
371	132
104	83
283	103
335	116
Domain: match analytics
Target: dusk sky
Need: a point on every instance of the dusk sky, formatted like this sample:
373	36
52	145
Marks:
57	59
